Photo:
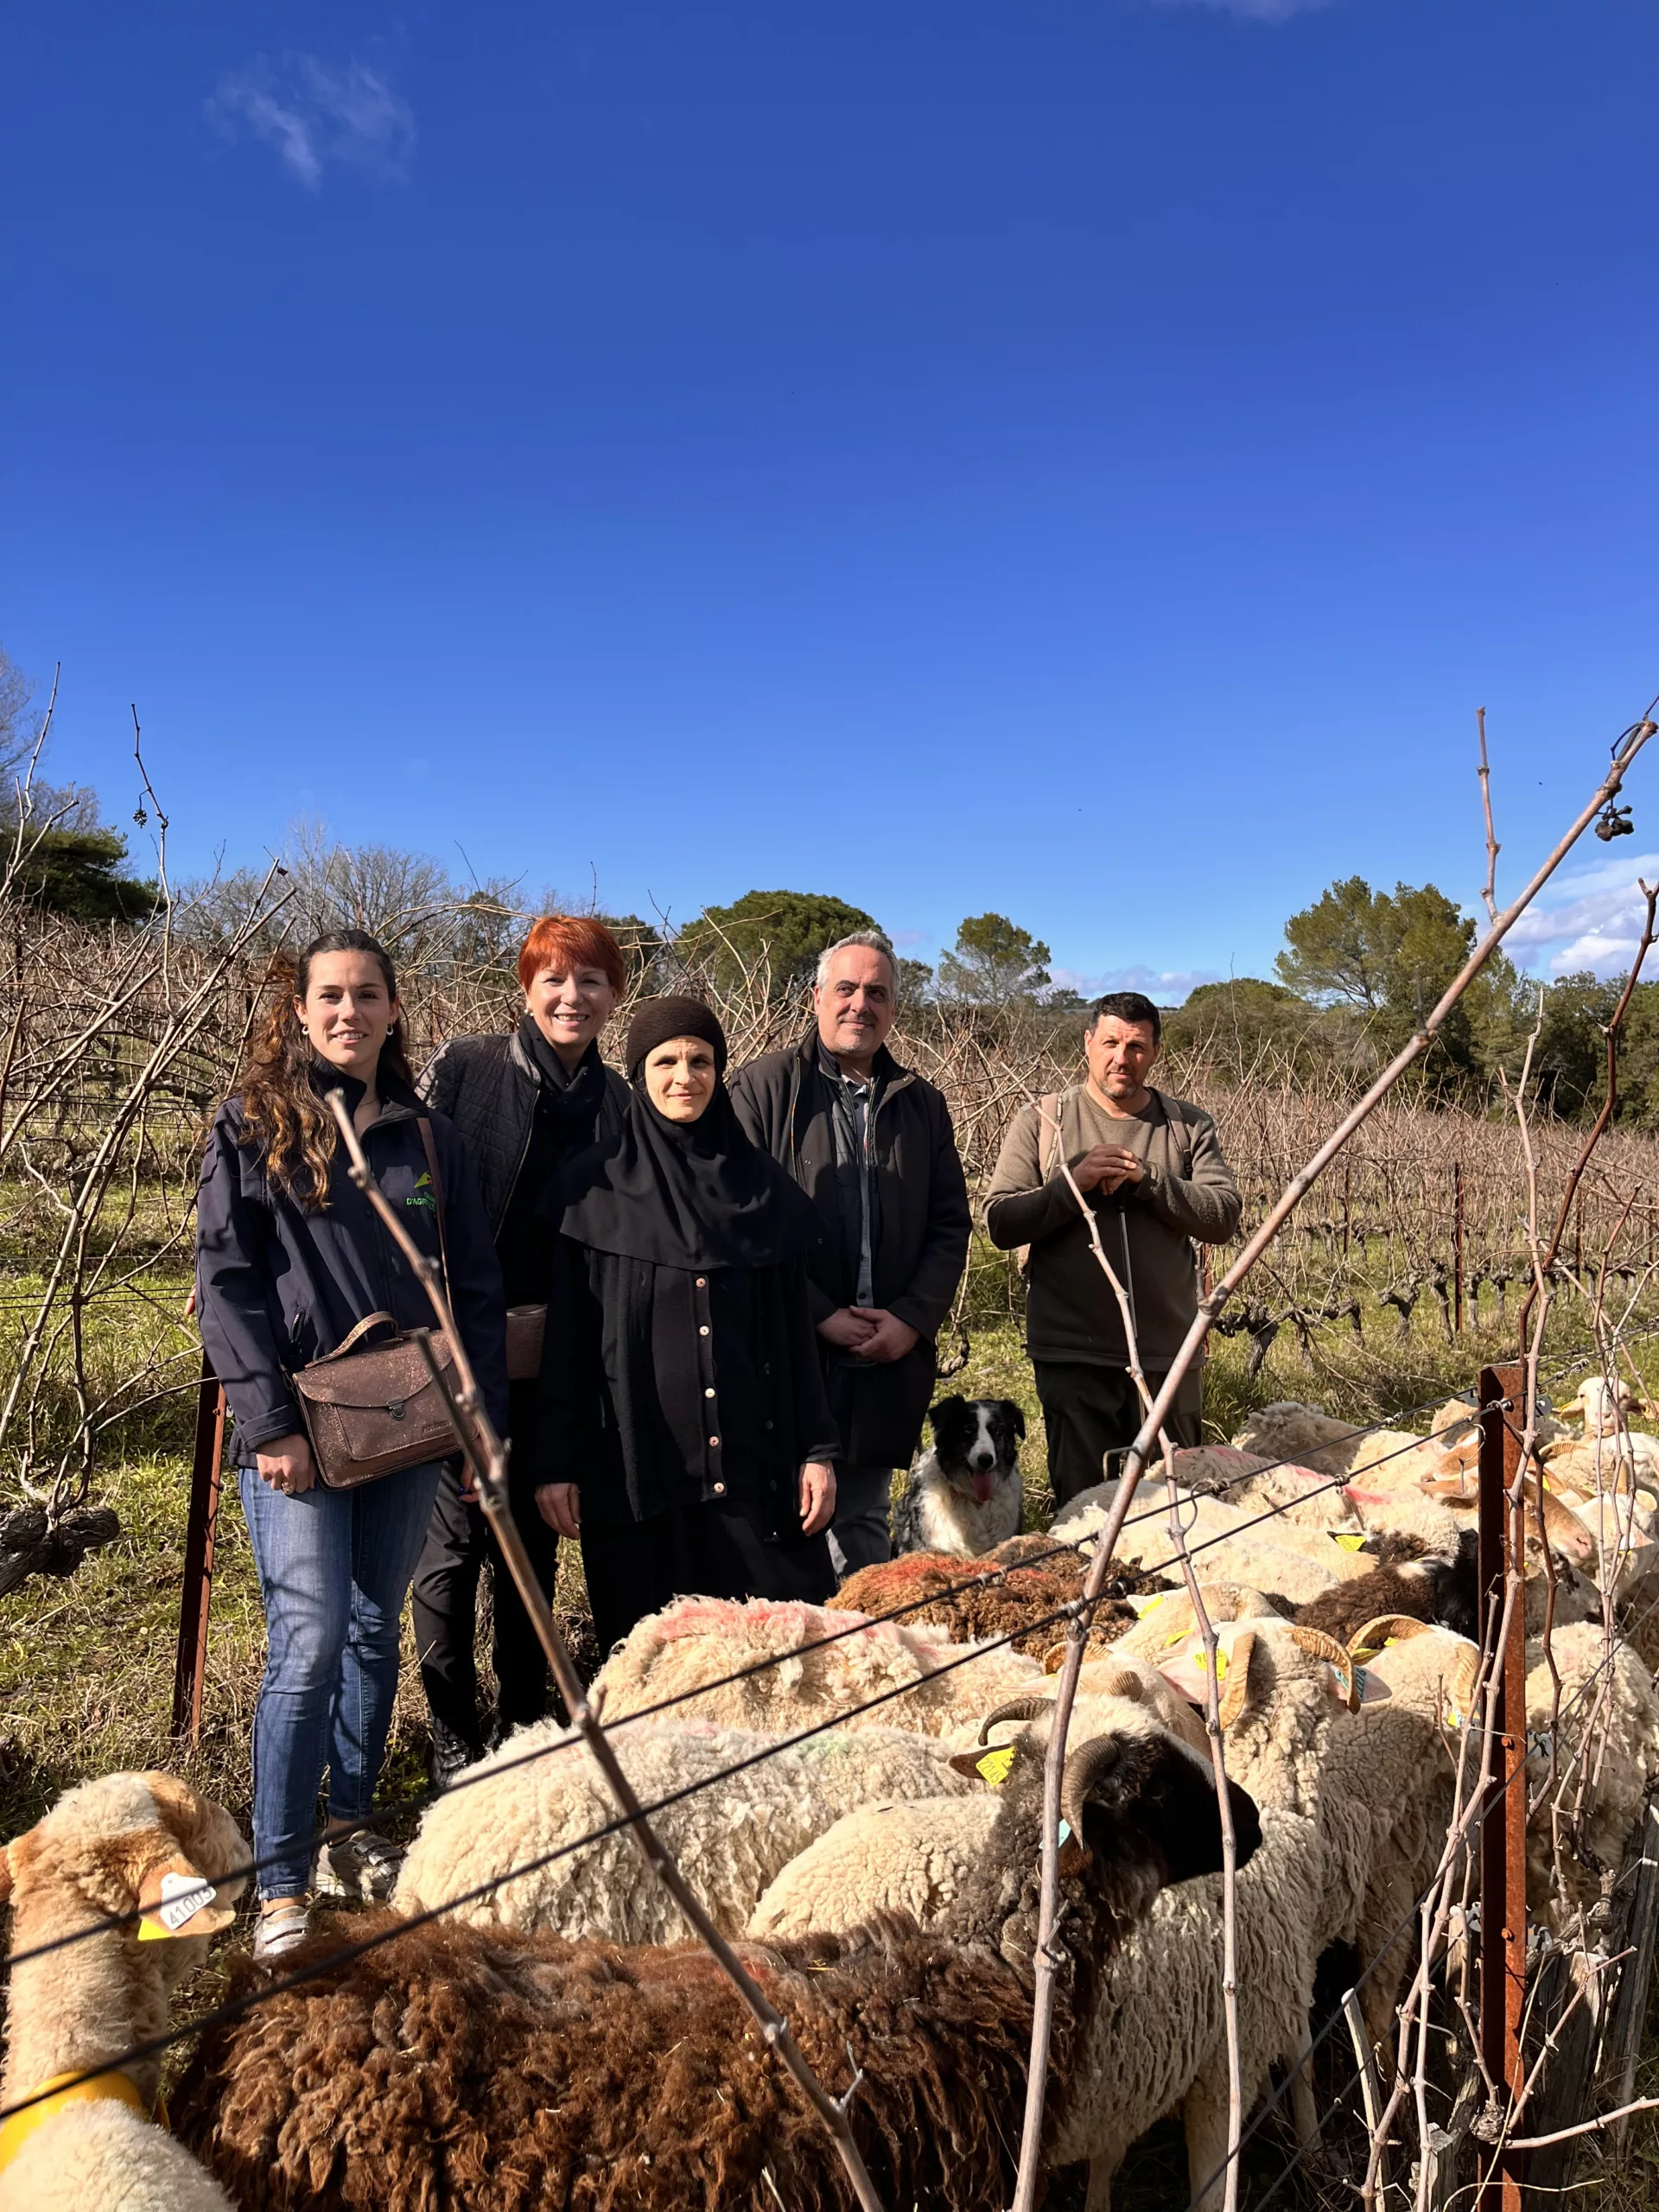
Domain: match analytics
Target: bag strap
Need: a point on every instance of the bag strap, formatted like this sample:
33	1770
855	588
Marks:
369	1321
437	1193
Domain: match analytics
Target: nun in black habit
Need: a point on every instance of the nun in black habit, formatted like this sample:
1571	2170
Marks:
684	1434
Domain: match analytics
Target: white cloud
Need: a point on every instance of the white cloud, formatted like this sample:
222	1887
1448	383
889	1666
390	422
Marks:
1169	986
1254	11
314	114
1594	919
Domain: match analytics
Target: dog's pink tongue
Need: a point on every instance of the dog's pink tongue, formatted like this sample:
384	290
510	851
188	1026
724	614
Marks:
981	1488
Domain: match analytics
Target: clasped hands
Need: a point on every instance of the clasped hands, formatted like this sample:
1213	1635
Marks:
1107	1167
870	1331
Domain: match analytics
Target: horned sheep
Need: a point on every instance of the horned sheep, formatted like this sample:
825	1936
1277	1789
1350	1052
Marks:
1294	1563
1156	2039
914	1857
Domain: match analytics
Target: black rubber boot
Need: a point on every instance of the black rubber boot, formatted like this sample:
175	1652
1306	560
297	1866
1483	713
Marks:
450	1754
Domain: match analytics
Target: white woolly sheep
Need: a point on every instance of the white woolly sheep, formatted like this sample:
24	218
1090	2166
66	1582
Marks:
915	1858
1227	1541
1384	1459
1604	1737
110	1847
686	1652
1602	1407
730	1837
1156	2036
1302	1495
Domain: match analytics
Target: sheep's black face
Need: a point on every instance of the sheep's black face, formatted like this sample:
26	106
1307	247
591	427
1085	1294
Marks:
1156	1806
1457	1588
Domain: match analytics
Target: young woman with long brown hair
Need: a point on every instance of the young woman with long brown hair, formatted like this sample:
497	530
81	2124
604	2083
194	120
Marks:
290	1257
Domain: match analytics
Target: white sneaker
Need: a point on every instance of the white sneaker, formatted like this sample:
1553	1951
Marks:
361	1865
276	1932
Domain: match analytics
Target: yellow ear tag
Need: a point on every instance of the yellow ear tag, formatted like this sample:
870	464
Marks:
1180	1636
1349	1541
994	1766
186	1908
1363	1651
1221	1666
1152	1605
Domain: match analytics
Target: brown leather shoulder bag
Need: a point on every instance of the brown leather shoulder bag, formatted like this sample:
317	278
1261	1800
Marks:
376	1410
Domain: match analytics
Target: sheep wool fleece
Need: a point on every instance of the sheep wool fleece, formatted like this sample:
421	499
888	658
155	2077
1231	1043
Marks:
730	1837
822	1669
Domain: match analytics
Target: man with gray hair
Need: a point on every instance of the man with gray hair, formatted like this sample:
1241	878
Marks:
871	1144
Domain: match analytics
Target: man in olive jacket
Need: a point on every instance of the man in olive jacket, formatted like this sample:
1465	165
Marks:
871	1144
1151	1170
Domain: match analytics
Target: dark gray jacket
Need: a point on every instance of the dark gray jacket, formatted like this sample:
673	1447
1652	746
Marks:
488	1087
923	1225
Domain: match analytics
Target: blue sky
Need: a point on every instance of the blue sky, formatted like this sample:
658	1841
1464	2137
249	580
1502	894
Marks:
1083	459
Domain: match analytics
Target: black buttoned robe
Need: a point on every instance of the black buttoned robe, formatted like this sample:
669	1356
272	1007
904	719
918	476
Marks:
683	1404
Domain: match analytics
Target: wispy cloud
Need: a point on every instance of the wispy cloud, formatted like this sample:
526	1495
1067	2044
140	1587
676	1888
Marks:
1254	11
1594	919
314	114
1169	986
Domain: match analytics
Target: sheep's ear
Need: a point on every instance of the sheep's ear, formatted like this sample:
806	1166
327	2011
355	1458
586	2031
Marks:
177	1899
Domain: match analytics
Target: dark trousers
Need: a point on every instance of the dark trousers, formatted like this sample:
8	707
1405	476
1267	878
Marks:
444	1599
1090	1411
860	1535
702	1550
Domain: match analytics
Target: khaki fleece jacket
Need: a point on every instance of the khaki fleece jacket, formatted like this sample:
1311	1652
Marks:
1188	1193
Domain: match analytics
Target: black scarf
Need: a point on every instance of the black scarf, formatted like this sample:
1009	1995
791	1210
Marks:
566	1097
690	1195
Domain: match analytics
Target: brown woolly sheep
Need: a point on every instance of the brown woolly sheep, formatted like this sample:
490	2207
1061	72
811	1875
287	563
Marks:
506	2072
973	1600
1428	1577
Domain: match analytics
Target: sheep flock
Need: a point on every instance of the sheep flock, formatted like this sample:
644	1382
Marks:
854	1793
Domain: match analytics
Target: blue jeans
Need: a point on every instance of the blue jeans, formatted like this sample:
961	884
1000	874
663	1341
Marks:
334	1568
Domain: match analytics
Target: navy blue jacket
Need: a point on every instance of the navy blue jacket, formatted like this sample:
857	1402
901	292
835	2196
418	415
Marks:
279	1284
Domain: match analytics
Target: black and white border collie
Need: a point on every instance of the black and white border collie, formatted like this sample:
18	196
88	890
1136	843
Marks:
963	1497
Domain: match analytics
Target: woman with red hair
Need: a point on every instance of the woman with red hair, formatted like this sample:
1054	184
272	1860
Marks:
525	1104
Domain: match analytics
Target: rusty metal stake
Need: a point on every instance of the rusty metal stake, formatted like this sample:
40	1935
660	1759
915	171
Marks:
201	1527
1503	1824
